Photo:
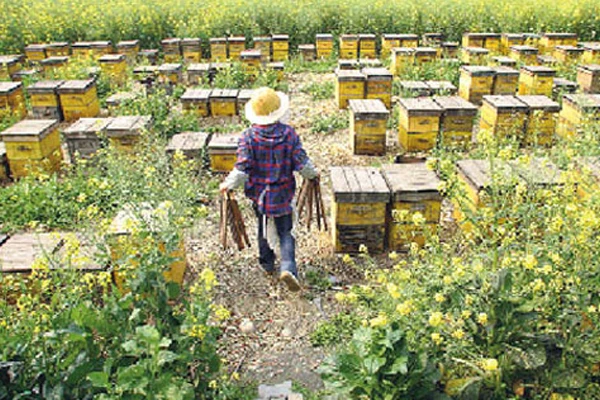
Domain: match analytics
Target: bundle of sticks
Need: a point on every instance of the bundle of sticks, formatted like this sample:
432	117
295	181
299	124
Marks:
232	220
310	198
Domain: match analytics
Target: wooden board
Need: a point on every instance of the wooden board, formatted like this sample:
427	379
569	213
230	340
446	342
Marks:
362	108
504	103
85	128
411	182
540	102
456	105
189	143
359	185
196	95
19	252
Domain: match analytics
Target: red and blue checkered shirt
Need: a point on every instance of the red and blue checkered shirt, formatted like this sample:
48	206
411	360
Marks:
269	155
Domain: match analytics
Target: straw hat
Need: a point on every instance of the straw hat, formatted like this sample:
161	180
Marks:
267	106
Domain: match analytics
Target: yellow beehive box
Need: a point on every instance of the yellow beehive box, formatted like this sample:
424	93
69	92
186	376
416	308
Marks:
414	190
349	46
58	49
251	60
124	132
591	54
9	65
116	100
170	73
504	115
379	85
414	89
129	48
474	55
243	97
547	61
489	41
12	99
524	54
532	39
198	73
52	63
366	45
408	40
81	49
32	146
4	170
589	171
433	39
85	137
222	151
568	54
35	52
540	125
307	51
218	49
122	242
101	47
550	40
196	101
358	211
278	67
114	66
503	61
424	55
511	39
402	59
368	119
281	48
536	80
324	44
388	42
191	144
191	50
350	84
475	82
588	78
449	50
506	81
418	123
223	102
578	110
149	55
45	103
78	99
457	121
236	44
263	43
171	48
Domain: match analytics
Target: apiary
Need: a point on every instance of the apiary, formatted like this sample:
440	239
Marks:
129	48
191	144
441	88
449	49
414	89
550	40
45	103
489	41
115	101
324	42
524	54
170	73
191	50
307	51
150	55
506	81
368	119
244	96
388	42
348	64
12	99
433	39
414	190
474	55
101	47
379	85
511	39
124	132
349	46
475	82
251	60
588	78
35	52
196	101
78	99
4	170
350	84
536	80
223	102
503	115
114	66
547	61
32	146
52	63
503	61
222	151
198	73
418	123
366	45
591	54
577	110
568	54
236	45
402	58
85	137
9	65
278	67
540	125
358	212
457	121
563	86
218	49
263	43
81	49
171	48
121	240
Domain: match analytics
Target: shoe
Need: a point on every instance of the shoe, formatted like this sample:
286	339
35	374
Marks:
290	280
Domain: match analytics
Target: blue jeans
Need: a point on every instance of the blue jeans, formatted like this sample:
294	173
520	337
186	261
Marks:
287	244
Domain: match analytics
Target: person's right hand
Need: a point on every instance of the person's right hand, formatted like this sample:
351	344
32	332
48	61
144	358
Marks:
223	189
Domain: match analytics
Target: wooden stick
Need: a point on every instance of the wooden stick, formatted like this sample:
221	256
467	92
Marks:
320	199
310	205
316	191
223	233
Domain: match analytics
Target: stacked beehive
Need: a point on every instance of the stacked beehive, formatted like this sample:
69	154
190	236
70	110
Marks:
191	50
349	46
281	48
129	48
263	44
170	74
540	124
114	66
78	99
536	80
366	45
458	116
218	49
85	137
235	44
368	119
12	100
503	115
568	54
324	43
418	124
45	103
475	82
171	48
350	84
378	85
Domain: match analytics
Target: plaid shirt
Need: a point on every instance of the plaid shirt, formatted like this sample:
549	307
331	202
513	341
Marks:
269	155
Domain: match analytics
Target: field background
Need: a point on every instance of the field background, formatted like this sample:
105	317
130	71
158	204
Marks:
30	21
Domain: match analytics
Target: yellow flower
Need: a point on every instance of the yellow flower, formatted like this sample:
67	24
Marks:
482	318
530	261
221	312
447	280
404	308
209	279
347	259
437	338
393	255
592	309
490	364
363	249
436	319
440	298
458	334
235	376
393	290
418	219
466	314
212	384
379	321
400	215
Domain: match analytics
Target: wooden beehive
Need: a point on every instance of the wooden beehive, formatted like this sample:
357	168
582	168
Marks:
348	64
52	63
35	52
9	65
536	80
368	119
366	45
124	132
402	59
196	101
58	49
418	124
562	86
475	82
349	46
458	118
101	47
171	48
547	61
506	81
358	212
170	74
577	111
388	42
278	67
4	170
236	44
524	54
191	50
474	55
441	88
540	125
350	84
12	99
191	144
550	40
511	39
307	51
449	49
567	54
414	89
251	60
503	61
243	97
146	75
218	49
424	55
414	189
489	41
81	49
114	66
588	78
32	146
150	55
532	39
324	43
281	47
198	73
116	100
379	85
433	39
538	173
19	252
408	40
222	151
591	54
45	103
223	102
503	115
129	48
263	43
85	137
78	99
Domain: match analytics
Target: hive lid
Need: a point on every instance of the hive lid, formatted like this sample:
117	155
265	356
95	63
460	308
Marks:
514	36
481	35
224	142
359	185
546	60
477	70
564	83
420	105
187	141
76	86
218	40
504	60
190	41
561	35
101	43
539	102
170	41
502	102
348	37
406	36
55	60
594	68
479	173
411	178
455	103
86	126
403	50
276	65
7	60
83	45
539	70
145	69
476	50
148	52
120	97
377	72
142	216
9	87
127	125
112	58
370	106
261	38
20	251
44	87
215	66
245	94
414	85
591	46
236	39
224	93
345	64
36	47
324	36
169	68
199	67
35	129
449	45
425	50
2	155
250	53
506	71
369	63
128	43
308	46
590	102
350	75
55	45
369	36
440	86
196	94
524	49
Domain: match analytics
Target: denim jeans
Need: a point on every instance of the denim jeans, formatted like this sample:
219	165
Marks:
287	245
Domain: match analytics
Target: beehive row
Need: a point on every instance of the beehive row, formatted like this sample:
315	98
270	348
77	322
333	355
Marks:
274	47
221	149
369	83
64	100
215	102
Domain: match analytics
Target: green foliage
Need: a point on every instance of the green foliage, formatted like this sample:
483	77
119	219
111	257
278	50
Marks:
329	123
338	330
318	90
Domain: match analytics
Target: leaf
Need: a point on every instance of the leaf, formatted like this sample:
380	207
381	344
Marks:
148	333
130	347
165	357
134	314
400	365
98	379
132	377
531	358
502	281
569	378
164	343
373	364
